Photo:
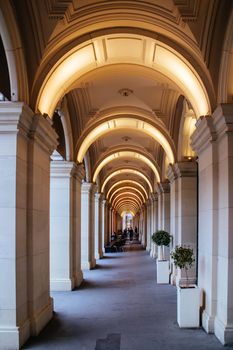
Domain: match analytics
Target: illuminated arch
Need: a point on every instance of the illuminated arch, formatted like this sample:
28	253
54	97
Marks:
127	195
127	48
124	182
124	171
123	119
127	188
125	199
128	204
128	154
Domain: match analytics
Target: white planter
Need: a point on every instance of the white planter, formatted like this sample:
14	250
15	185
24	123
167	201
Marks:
188	307
163	271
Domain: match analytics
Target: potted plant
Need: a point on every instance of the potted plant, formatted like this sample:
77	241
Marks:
188	296
162	239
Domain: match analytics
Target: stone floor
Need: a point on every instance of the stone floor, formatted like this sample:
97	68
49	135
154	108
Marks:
120	307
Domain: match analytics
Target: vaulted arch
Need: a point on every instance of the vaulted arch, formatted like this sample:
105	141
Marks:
105	50
124	119
131	188
105	159
126	195
125	182
127	171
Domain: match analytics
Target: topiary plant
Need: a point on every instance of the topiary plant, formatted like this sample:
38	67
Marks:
161	238
183	258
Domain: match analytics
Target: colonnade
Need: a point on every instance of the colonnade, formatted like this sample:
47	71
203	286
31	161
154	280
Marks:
46	203
201	217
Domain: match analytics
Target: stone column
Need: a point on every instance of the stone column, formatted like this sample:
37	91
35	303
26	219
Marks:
98	226
160	208
104	227
213	142
78	176
113	220
43	140
223	123
148	228
172	176
87	226
186	216
144	226
15	122
166	206
109	222
119	221
63	274
187	211
206	149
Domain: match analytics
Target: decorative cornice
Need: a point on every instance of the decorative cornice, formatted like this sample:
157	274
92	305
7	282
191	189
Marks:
57	8
188	9
43	133
15	117
64	169
171	174
61	168
87	187
204	134
98	196
186	169
164	187
223	119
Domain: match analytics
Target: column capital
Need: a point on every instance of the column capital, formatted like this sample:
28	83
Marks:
223	119
171	174
62	169
186	169
163	187
78	171
87	187
204	134
98	196
15	117
43	133
181	169
154	197
104	201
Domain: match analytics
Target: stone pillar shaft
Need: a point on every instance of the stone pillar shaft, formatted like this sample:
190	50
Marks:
87	226
15	122
98	226
63	233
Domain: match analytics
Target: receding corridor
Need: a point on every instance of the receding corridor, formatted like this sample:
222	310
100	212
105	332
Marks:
120	300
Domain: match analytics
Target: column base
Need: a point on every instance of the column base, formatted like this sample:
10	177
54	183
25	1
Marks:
88	265
39	321
62	284
12	338
99	255
78	279
147	248
223	332
207	322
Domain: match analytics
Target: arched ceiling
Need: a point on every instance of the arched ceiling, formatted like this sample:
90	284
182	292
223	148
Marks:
115	72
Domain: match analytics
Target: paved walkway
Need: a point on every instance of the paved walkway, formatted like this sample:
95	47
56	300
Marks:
120	307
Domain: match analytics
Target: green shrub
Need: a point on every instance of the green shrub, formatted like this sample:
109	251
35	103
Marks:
183	258
161	237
